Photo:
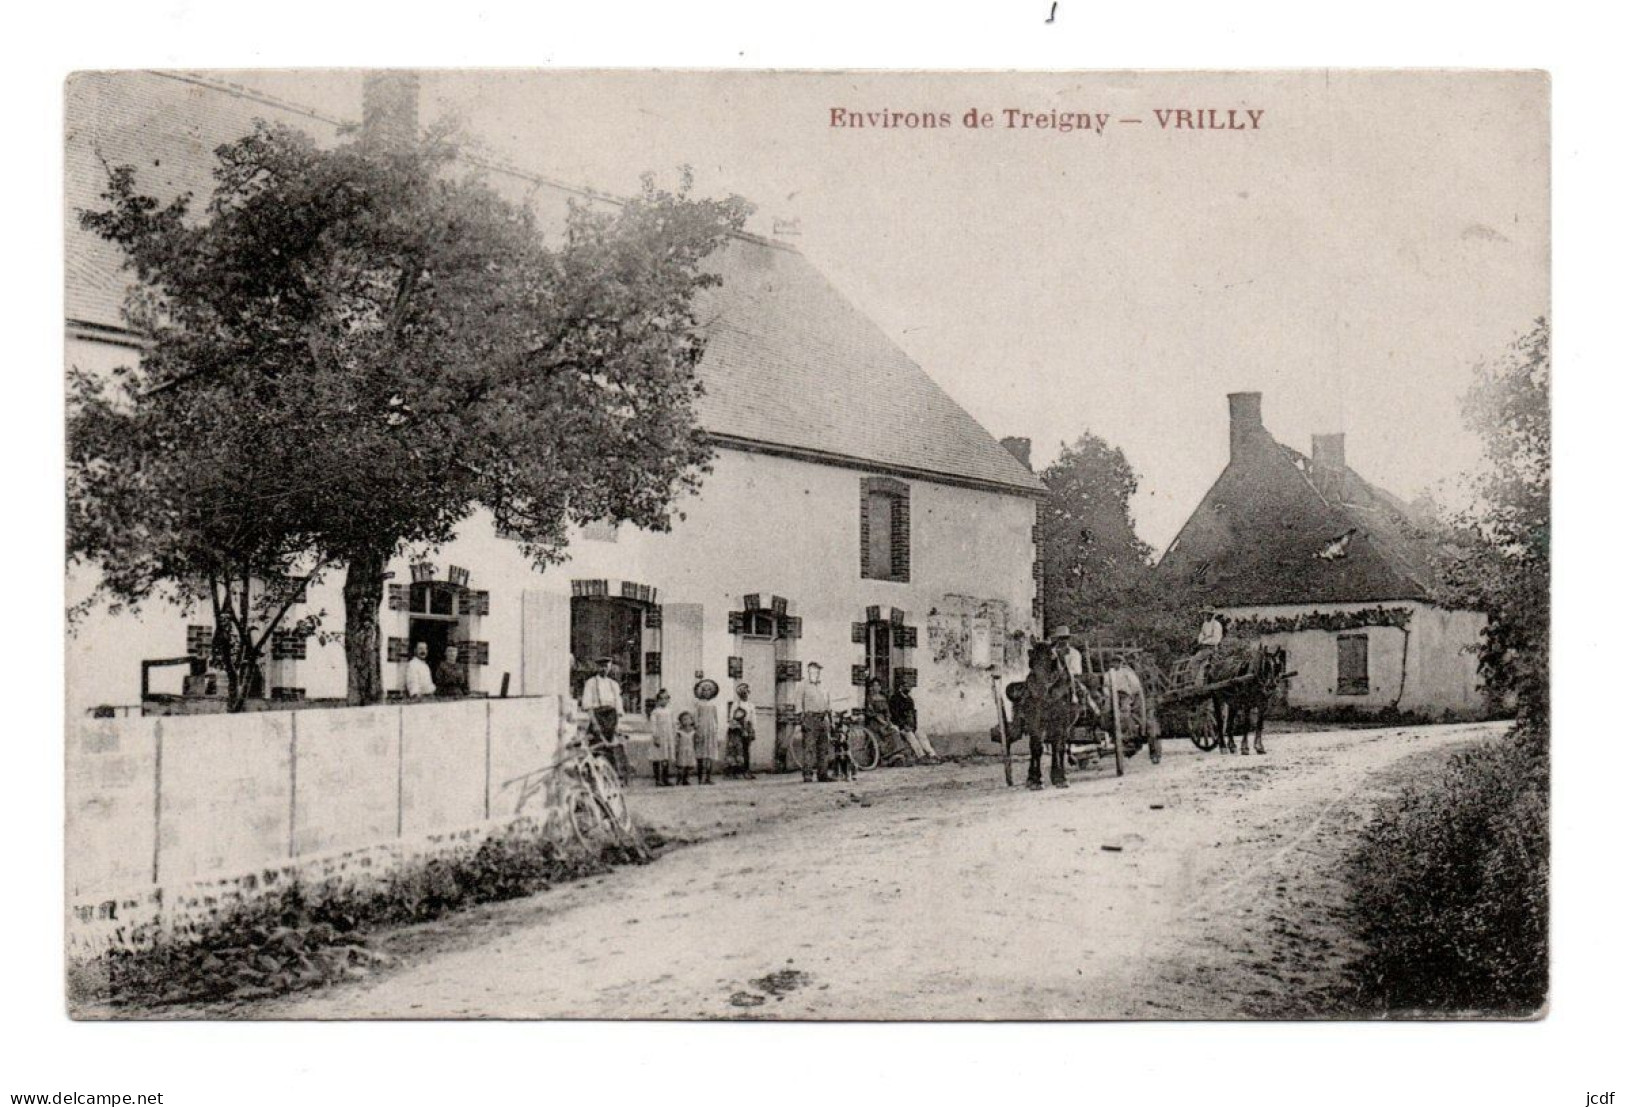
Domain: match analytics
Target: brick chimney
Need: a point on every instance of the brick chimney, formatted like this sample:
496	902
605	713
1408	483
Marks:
1021	449
389	109
1246	422
1327	451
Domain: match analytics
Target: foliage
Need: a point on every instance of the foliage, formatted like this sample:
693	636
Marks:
1502	564
303	937
1451	882
1092	558
1450	886
1378	616
351	349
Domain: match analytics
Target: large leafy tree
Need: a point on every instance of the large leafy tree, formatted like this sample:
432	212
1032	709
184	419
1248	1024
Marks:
1096	568
352	348
1504	568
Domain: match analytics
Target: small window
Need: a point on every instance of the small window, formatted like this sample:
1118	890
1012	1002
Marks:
1353	676
760	624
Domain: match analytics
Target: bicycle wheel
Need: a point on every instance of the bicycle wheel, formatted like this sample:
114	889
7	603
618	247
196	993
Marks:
796	749
865	747
607	786
587	819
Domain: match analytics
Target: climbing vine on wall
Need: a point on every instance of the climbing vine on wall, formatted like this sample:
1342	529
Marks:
1378	616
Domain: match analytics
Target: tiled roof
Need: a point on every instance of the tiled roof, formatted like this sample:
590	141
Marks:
1268	532
790	363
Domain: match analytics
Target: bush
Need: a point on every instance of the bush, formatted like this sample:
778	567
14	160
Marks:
303	936
1450	886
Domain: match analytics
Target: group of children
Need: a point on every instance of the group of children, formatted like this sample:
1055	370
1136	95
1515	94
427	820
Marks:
690	742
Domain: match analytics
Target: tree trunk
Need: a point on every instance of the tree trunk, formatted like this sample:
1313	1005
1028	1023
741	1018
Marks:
363	594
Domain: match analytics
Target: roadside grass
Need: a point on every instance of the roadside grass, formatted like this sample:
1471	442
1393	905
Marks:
305	936
1449	887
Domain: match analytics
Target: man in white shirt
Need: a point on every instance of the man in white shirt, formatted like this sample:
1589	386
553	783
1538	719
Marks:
419	681
1212	632
601	698
812	703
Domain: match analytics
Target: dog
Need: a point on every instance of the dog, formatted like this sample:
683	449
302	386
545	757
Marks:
840	755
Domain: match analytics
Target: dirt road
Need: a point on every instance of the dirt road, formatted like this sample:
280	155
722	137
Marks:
1203	887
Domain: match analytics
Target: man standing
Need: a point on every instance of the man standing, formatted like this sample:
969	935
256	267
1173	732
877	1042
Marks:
448	675
812	703
419	682
601	698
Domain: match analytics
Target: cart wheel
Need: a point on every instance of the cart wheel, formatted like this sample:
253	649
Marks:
865	748
1204	729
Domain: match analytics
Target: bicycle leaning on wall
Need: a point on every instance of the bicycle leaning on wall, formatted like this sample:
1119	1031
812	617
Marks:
584	800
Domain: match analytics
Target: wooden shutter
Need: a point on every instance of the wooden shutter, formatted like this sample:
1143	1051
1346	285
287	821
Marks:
1353	673
544	643
682	645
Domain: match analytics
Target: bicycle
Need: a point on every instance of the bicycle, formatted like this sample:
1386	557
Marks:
865	747
592	805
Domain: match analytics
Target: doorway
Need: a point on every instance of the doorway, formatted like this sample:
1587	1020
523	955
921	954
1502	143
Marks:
761	671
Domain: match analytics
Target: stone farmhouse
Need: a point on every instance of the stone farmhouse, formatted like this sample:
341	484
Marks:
856	515
1306	553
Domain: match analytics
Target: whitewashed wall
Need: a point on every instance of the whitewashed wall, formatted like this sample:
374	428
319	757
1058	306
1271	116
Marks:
1429	668
761	524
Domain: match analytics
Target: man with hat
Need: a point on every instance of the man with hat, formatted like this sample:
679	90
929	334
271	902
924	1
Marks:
812	704
601	697
1069	655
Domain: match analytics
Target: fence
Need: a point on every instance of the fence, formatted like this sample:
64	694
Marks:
196	810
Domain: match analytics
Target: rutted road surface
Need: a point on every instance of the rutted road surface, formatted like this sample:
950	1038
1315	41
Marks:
1204	887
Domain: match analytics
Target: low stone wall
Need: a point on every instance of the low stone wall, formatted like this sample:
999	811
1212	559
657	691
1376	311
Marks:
174	819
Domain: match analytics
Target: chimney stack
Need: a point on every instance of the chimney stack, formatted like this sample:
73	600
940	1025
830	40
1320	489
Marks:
1246	421
389	109
1021	449
1327	451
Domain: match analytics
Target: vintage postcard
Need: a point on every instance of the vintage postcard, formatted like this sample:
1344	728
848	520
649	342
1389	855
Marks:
807	545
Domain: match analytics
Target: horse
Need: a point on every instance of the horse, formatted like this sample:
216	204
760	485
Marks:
1258	673
1046	709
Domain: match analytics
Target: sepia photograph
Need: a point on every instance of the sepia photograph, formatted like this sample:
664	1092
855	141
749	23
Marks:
566	544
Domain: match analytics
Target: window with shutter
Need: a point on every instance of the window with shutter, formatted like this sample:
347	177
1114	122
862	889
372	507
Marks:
1353	673
883	526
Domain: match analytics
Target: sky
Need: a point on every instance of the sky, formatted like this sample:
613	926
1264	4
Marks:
1352	257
